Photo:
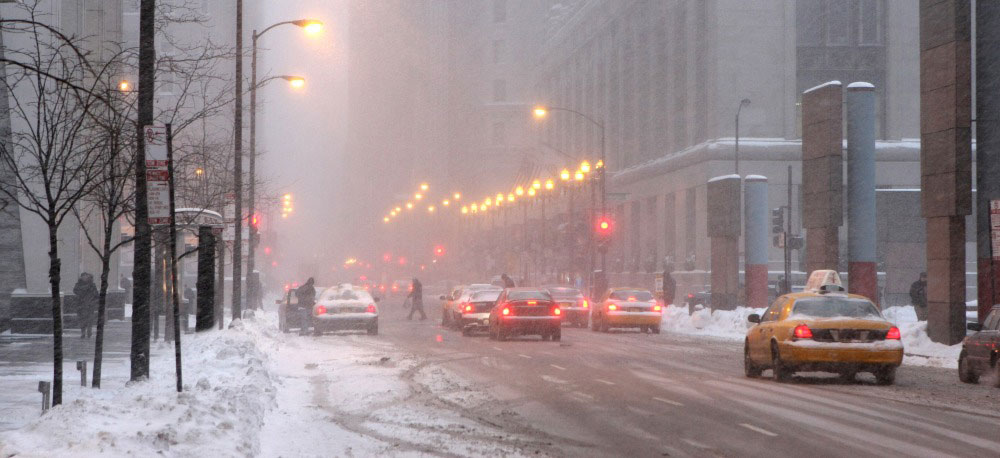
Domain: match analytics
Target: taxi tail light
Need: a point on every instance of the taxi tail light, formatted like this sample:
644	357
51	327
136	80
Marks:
556	311
893	334
371	308
468	308
612	307
803	332
657	308
320	310
583	303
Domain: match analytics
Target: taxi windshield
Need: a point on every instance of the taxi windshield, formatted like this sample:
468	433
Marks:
835	307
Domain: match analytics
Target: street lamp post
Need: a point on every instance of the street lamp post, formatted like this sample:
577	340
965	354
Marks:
736	150
311	26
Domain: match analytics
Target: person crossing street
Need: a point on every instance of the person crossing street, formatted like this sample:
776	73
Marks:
416	298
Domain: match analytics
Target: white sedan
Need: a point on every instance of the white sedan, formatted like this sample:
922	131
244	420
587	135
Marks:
345	307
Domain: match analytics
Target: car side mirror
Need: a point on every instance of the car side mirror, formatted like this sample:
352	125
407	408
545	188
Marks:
753	318
974	326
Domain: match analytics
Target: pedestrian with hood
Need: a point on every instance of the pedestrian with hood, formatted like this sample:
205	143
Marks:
126	285
507	281
416	297
86	303
918	296
306	296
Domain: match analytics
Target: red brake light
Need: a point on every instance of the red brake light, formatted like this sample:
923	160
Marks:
468	308
690	296
556	311
585	304
657	308
320	310
612	307
893	334
505	311
395	288
532	302
371	308
803	332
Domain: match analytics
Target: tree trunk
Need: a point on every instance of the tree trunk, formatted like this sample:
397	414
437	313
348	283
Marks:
139	356
237	304
102	299
57	328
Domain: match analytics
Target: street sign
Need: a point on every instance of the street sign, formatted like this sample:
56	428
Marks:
157	174
995	228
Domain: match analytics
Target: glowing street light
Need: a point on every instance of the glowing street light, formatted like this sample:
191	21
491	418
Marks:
424	186
296	82
585	166
457	196
549	185
510	197
465	209
199	171
540	112
600	164
536	184
578	176
488	202
519	191
430	209
311	26
409	206
531	192
499	198
564	175
385	219
398	209
124	86
446	202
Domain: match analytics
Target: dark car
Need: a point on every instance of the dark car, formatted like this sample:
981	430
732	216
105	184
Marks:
575	307
981	351
525	311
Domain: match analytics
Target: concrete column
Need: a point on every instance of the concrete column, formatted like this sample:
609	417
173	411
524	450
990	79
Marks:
755	239
861	266
822	174
945	160
987	148
723	219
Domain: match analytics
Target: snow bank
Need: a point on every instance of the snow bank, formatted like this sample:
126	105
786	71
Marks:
227	390
728	324
918	348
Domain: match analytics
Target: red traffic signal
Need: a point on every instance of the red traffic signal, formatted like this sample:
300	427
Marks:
439	250
605	227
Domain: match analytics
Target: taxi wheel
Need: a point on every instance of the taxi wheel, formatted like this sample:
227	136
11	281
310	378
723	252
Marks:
466	332
965	372
780	373
373	329
885	375
557	336
655	328
751	369
501	335
492	333
546	336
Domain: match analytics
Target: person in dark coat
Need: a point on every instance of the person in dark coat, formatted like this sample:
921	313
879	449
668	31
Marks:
669	288
416	297
918	296
507	281
306	295
86	303
126	284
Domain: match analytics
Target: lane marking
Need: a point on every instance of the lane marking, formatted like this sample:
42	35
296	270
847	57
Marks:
498	348
558	367
667	401
524	356
759	430
604	381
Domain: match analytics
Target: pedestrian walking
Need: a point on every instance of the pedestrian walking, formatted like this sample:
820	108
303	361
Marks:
86	303
126	284
669	288
416	298
507	281
306	295
918	296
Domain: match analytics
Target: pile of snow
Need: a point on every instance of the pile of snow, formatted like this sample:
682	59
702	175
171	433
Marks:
727	324
227	391
918	348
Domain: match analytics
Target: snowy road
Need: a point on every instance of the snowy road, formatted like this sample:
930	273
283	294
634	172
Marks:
642	395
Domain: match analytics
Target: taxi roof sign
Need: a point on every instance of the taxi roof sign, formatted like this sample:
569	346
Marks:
820	278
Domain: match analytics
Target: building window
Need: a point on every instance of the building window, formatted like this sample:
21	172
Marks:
838	20
498	51
499	134
499	11
499	90
870	22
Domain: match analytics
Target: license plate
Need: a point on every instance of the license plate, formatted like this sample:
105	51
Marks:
565	304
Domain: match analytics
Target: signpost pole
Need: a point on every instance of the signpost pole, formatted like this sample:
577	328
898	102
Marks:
173	259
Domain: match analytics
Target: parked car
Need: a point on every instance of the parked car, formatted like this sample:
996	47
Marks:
525	311
981	350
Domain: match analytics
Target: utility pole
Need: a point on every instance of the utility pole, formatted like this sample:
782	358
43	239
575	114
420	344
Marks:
139	355
175	295
788	235
238	169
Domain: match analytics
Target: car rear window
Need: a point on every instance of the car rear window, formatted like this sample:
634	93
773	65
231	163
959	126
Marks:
485	296
564	292
525	295
638	294
835	307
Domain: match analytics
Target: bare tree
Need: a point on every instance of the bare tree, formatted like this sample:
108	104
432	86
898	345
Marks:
51	163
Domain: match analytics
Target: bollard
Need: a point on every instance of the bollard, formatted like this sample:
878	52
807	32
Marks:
82	367
46	389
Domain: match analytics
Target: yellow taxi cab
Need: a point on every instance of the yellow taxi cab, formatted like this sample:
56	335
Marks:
627	308
823	329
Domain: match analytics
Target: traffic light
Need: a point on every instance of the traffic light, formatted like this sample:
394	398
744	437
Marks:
604	228
778	220
439	250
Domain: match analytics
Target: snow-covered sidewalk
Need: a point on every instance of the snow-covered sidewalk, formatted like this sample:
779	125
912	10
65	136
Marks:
919	350
253	391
